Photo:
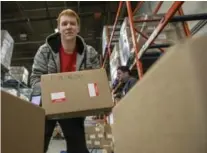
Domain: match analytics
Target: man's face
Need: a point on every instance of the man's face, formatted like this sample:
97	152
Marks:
121	75
68	27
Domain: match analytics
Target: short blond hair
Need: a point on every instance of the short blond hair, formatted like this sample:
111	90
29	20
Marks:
69	12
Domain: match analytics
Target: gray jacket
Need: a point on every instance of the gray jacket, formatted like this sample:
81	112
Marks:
47	59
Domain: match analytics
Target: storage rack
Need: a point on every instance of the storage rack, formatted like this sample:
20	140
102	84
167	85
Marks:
168	17
14	83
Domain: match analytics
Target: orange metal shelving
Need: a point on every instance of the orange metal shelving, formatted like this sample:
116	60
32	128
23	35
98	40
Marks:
169	16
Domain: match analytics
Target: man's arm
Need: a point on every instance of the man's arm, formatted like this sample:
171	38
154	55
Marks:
94	58
39	68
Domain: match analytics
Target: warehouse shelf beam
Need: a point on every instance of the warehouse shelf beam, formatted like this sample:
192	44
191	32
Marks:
146	37
185	25
190	17
108	53
173	9
134	38
21	20
162	22
159	46
48	15
139	5
158	7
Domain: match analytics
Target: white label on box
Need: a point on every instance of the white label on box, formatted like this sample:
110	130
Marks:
100	135
89	142
97	129
97	143
109	136
92	136
93	90
58	97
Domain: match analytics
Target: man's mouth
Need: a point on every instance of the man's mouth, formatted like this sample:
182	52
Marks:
69	33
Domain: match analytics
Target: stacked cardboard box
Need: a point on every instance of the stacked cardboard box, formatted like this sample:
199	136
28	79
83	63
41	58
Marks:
22	125
99	137
19	73
166	110
7	45
114	62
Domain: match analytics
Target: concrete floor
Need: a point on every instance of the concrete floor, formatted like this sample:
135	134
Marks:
56	146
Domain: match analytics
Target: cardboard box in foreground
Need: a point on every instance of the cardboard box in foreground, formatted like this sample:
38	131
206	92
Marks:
22	125
166	111
76	94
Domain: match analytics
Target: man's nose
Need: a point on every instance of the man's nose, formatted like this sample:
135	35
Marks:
69	26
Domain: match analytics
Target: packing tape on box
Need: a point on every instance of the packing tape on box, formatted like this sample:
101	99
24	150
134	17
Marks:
92	136
97	143
97	129
109	136
89	142
100	135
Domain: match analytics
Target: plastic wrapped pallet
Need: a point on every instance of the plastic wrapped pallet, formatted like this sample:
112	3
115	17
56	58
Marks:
19	73
114	62
23	97
125	41
107	30
26	92
10	90
7	44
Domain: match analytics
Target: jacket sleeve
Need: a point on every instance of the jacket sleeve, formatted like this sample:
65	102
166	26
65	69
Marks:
39	67
133	81
94	58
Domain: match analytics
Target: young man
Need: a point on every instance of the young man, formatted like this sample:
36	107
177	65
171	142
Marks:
63	52
124	75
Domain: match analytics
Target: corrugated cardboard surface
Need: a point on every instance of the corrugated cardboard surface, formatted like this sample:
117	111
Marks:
75	85
166	112
22	126
99	136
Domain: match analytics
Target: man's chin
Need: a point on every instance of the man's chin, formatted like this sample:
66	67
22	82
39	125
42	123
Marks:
70	38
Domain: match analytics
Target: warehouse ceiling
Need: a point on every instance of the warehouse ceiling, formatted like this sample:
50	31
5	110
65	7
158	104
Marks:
30	22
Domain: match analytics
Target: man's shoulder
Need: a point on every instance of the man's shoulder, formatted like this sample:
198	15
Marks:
44	49
91	50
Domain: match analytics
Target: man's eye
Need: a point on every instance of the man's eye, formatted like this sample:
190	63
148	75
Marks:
64	23
73	23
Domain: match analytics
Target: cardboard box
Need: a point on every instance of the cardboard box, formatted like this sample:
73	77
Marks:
107	150
166	110
108	132
22	125
76	94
